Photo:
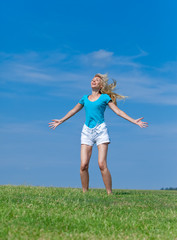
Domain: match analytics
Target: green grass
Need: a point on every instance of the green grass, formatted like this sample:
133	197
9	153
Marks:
44	213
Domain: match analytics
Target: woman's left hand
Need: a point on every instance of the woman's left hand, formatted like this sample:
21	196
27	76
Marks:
140	123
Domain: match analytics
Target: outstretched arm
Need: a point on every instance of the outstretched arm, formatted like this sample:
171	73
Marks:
125	116
57	122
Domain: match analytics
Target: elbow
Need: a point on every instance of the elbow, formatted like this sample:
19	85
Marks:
118	112
74	111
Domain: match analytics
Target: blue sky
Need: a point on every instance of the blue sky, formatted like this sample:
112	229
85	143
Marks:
49	53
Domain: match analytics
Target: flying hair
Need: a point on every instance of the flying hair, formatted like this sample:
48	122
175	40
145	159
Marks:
108	88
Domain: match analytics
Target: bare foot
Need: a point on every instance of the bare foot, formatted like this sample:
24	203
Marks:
85	190
110	193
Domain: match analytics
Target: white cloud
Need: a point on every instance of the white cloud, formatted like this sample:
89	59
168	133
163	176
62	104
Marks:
74	72
98	58
144	88
103	58
168	67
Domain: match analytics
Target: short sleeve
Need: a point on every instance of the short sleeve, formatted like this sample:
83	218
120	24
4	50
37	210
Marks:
107	98
82	100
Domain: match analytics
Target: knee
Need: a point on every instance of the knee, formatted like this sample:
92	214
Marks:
102	166
84	167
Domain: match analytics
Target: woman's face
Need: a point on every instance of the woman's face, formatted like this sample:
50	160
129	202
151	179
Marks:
96	83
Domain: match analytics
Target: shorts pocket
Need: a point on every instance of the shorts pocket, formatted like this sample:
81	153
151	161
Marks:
84	132
102	129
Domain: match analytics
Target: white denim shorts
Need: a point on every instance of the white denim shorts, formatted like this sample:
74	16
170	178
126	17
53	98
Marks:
99	134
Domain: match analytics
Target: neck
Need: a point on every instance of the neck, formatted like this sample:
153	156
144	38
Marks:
95	92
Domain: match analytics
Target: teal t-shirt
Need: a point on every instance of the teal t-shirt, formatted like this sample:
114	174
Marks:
95	110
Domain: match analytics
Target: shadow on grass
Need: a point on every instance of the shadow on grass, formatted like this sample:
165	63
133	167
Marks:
121	193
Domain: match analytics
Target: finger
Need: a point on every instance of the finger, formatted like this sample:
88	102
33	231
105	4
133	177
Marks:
140	118
51	125
144	122
141	125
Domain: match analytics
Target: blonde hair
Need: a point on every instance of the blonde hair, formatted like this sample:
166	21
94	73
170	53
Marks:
108	88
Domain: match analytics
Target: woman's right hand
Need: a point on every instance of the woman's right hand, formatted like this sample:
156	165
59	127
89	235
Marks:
55	123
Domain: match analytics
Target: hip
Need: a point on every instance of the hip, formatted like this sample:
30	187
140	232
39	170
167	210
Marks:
98	129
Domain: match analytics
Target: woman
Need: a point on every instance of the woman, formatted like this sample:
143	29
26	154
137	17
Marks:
95	128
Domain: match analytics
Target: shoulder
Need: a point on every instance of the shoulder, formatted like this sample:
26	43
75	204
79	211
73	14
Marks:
82	100
106	97
105	94
85	96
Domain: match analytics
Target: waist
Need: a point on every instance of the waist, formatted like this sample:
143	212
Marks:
97	127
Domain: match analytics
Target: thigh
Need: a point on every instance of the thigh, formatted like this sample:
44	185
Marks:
86	137
102	154
86	152
103	136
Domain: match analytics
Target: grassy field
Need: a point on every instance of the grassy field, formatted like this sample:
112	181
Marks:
43	213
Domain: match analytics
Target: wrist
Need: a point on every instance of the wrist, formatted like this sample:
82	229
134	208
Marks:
62	120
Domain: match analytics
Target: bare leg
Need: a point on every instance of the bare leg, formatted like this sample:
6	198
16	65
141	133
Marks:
86	152
102	161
